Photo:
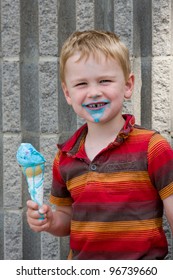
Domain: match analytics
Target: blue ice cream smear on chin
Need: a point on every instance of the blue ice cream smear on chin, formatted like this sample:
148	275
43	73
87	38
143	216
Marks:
96	113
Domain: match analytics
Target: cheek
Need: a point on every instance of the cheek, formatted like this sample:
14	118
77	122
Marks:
77	99
118	93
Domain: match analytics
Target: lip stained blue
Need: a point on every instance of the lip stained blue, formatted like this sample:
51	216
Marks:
98	112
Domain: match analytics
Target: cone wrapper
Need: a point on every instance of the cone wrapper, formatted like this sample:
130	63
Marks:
33	165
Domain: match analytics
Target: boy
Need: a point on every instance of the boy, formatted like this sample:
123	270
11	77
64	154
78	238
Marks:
112	178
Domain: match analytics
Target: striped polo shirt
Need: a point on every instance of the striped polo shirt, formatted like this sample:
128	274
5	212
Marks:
117	198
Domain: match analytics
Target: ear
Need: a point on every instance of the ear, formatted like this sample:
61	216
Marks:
129	86
66	93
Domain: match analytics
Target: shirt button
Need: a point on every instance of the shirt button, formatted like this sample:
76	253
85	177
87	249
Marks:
93	167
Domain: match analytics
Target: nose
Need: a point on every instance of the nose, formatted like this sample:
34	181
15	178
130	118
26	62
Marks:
94	93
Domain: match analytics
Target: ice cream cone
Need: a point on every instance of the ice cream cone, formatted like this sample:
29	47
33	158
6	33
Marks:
32	164
35	177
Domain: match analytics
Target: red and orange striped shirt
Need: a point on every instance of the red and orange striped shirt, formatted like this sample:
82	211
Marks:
117	198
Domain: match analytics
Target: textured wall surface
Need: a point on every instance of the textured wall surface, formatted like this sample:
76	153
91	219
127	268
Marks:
32	106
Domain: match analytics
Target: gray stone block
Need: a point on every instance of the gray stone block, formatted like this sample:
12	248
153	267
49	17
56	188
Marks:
50	249
161	94
161	18
11	173
10	19
11	96
13	235
136	96
48	28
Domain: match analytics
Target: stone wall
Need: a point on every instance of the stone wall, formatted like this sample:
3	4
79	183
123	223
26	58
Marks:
32	106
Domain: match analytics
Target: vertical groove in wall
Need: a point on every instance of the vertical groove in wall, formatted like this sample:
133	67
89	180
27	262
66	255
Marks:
1	159
142	13
64	247
66	25
29	104
104	15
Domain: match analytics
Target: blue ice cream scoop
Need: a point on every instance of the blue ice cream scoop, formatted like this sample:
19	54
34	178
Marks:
27	155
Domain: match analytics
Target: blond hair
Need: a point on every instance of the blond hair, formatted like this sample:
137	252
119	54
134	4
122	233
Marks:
94	42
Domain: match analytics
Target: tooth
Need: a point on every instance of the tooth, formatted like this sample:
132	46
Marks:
96	105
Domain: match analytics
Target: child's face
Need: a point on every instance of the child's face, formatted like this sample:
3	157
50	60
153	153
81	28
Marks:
96	88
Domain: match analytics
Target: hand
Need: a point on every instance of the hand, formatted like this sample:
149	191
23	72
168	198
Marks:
34	213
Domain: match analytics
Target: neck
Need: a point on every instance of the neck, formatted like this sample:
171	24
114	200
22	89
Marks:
100	136
103	131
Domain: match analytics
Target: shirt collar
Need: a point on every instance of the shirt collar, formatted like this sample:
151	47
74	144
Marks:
72	145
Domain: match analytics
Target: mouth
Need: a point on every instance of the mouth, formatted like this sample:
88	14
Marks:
96	105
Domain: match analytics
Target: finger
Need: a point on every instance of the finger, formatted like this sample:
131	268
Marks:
32	205
36	213
38	225
33	214
36	221
37	228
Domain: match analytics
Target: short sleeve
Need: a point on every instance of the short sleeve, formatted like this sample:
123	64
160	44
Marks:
59	196
160	165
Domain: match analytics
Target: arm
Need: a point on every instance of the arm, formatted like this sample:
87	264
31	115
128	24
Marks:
168	205
160	166
55	222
